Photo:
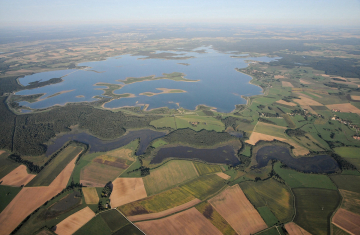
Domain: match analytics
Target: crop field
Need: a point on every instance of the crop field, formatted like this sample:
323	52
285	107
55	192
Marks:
114	219
164	122
286	103
129	171
338	231
97	175
204	186
272	194
351	154
314	208
7	194
351	201
298	180
347	182
91	196
188	222
270	129
215	218
53	169
346	108
223	175
157	203
6	165
94	227
348	221
236	209
204	169
75	221
267	216
128	229
294	229
18	177
168	175
126	190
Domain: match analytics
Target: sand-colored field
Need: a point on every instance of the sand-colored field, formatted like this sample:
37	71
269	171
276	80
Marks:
294	229
165	212
97	174
286	103
188	222
347	221
19	176
287	84
91	196
2	151
279	76
75	221
353	97
122	153
306	100
30	198
304	81
223	175
346	108
126	190
236	209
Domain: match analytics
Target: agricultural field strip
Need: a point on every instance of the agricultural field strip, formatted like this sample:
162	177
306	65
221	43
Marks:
294	229
126	190
165	213
75	221
91	196
348	221
17	177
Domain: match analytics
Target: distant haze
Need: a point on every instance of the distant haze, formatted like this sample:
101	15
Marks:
304	12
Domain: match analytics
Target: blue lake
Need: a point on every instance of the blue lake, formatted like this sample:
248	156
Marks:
219	85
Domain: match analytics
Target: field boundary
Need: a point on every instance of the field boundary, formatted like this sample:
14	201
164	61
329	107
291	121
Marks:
129	221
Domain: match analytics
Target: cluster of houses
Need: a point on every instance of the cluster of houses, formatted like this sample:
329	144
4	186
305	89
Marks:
345	122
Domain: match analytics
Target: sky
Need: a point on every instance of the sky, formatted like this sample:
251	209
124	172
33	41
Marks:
284	12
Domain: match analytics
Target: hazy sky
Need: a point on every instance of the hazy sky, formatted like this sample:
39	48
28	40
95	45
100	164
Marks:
329	12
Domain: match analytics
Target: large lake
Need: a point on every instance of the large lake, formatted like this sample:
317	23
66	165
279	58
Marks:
219	85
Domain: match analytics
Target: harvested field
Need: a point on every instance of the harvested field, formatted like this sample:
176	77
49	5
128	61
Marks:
348	221
346	108
294	229
164	213
351	201
286	103
236	209
204	169
91	195
187	222
17	177
97	174
168	175
355	97
223	175
122	153
75	221
305	101
286	84
126	190
304	81
19	208
279	76
2	151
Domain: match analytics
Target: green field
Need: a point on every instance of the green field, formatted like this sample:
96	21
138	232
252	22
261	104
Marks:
272	231
6	165
95	226
204	169
247	150
267	215
7	193
168	175
129	171
351	201
314	208
164	122
270	129
215	218
128	230
347	182
272	194
204	186
53	169
159	202
114	219
351	154
298	180
338	231
158	143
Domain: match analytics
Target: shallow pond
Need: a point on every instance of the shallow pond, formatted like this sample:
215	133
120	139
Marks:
316	164
224	155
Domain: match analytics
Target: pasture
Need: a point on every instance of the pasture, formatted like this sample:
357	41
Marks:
347	182
204	169
277	197
7	194
351	154
267	216
168	175
314	207
204	186
128	229
75	221
91	196
114	219
17	177
6	165
126	190
95	226
158	143
236	209
351	201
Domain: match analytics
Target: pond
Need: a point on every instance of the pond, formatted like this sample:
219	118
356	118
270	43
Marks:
223	155
98	145
316	164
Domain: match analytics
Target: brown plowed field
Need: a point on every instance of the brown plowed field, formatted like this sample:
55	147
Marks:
236	209
91	195
126	190
304	81
2	151
223	175
294	229
286	84
346	108
188	222
29	199
305	100
17	177
75	221
347	221
165	212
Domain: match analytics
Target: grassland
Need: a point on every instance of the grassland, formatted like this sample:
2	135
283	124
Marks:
272	231
7	193
172	76
95	226
168	175
272	194
204	186
247	150
114	219
157	203
351	201
53	169
269	129
158	143
267	216
6	165
215	218
204	169
351	154
314	208
297	179
128	230
129	172
347	182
